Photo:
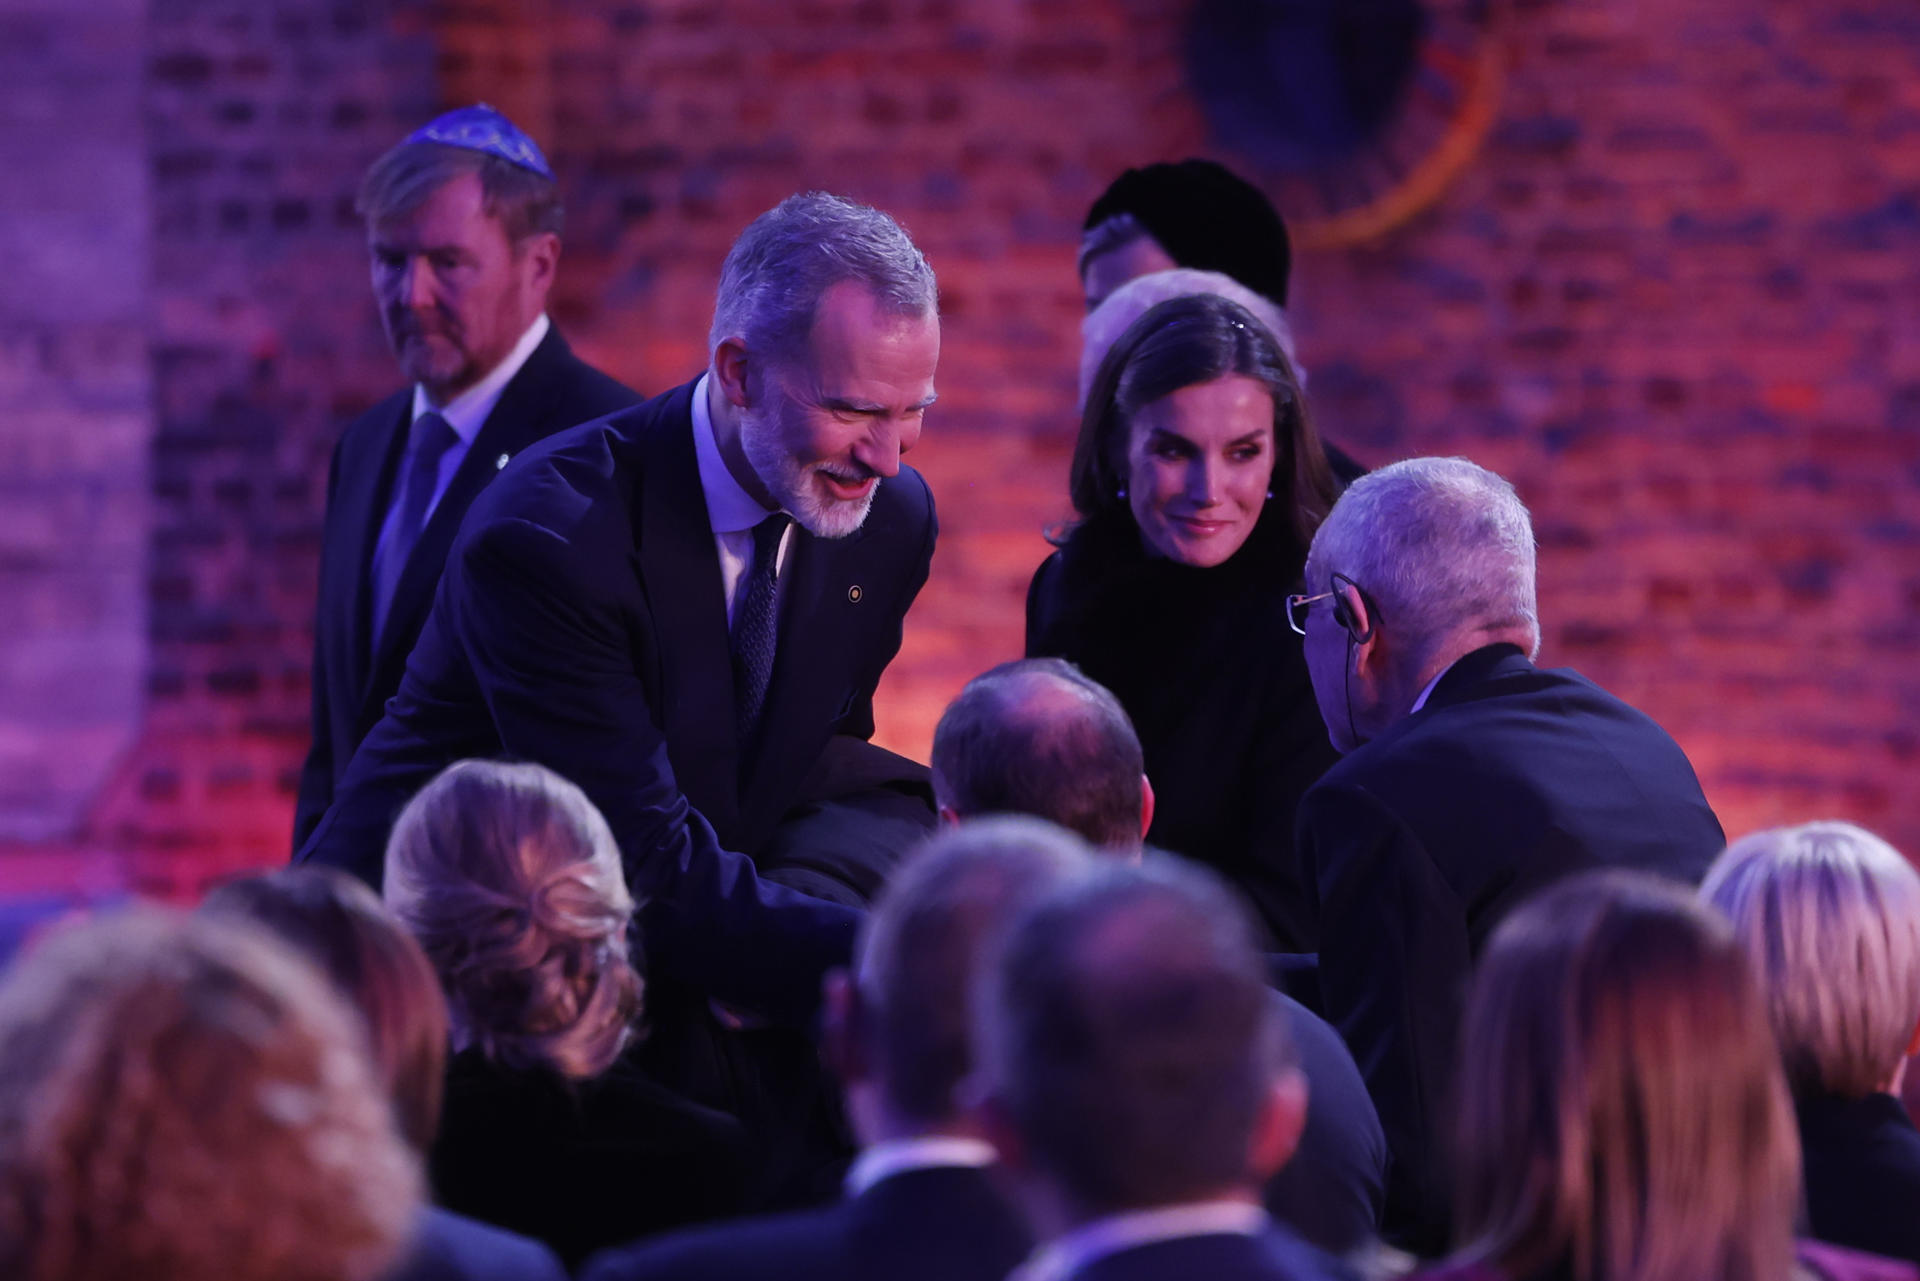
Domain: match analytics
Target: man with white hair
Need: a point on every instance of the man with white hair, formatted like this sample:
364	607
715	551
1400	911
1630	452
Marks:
1472	778
670	607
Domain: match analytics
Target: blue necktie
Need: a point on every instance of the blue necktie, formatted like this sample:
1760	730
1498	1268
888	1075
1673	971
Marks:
754	626
427	443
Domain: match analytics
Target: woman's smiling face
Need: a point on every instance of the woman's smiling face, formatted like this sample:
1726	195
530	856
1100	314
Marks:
1199	462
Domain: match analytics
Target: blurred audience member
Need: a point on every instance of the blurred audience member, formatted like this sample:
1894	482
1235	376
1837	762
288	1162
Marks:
1134	1073
1621	1114
919	1201
336	922
1198	482
511	881
1830	917
1474	778
1196	213
463	227
1037	737
182	1099
1114	316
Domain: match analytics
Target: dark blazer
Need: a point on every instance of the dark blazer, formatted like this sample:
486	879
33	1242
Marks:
1421	840
1862	1164
581	624
450	1247
1275	1255
1332	1190
352	680
946	1224
582	1165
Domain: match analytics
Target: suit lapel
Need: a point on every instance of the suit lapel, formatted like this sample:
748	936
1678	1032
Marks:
521	417
363	512
680	573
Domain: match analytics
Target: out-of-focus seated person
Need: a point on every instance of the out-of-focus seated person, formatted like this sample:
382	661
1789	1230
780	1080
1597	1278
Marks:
1038	737
184	1099
1830	916
511	881
337	923
1621	1112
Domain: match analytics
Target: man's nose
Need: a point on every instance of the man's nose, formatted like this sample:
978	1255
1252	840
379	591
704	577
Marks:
416	284
879	451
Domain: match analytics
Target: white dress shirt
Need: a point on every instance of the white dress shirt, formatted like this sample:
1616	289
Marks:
466	414
1065	1256
731	511
928	1152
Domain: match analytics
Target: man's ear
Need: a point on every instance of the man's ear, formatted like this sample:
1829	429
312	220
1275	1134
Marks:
1277	1127
730	367
843	1019
1146	805
540	256
994	1123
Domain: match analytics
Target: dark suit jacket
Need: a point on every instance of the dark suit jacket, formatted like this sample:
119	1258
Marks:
582	1165
352	680
1423	839
1333	1188
581	624
1276	1255
944	1224
449	1247
1862	1163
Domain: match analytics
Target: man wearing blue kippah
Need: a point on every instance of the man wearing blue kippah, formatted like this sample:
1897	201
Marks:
463	221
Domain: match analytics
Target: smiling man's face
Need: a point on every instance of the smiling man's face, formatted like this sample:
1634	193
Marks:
833	422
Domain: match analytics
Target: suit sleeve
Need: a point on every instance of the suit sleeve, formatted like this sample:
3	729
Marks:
551	656
1394	962
316	772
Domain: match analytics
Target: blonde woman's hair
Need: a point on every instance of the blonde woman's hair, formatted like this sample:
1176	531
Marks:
1830	916
511	880
1622	1115
181	1098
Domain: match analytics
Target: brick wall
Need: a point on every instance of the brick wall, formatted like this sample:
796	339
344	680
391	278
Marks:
1672	299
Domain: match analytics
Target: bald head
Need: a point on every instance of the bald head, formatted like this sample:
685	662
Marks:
1038	737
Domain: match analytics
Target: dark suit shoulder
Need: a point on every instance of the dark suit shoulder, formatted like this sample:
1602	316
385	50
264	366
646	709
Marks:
451	1247
802	1245
588	393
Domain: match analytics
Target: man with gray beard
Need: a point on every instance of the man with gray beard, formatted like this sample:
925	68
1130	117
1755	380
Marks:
684	607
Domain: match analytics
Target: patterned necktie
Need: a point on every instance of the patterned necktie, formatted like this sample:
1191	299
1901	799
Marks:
754	629
427	443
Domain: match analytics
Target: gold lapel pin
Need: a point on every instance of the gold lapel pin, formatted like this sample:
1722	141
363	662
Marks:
854	594
500	462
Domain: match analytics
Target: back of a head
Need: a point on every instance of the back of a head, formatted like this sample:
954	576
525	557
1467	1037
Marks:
922	943
183	1099
1441	546
512	882
1622	1115
772	280
1038	737
1204	216
336	922
1117	312
1830	916
1127	1030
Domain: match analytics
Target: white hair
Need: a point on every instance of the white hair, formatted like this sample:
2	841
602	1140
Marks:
790	255
1830	915
1439	545
1102	326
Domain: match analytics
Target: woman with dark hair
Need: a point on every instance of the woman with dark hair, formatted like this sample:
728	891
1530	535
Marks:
1198	481
511	881
1622	1114
339	925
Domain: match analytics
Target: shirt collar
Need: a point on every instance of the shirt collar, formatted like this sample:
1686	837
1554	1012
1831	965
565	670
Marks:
730	508
1064	1256
927	1152
1427	693
467	412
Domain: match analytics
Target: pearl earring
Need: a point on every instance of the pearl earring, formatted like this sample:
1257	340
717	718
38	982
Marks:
1121	493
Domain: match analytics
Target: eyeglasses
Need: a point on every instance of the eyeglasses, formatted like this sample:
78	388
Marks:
1298	607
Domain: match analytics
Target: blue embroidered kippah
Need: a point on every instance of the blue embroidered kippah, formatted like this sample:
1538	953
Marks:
481	128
